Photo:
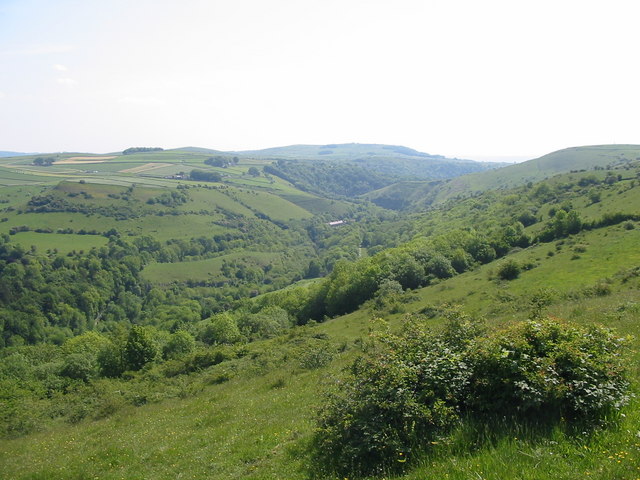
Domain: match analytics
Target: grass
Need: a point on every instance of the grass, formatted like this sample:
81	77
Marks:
202	270
161	228
577	158
270	205
63	243
258	425
202	436
524	453
209	199
10	176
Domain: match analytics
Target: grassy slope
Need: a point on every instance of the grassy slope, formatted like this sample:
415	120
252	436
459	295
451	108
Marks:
62	243
562	161
282	203
344	151
202	270
258	424
570	159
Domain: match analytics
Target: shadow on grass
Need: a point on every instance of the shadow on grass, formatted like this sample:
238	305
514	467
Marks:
472	433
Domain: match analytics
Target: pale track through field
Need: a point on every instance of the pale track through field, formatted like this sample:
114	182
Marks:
80	160
146	167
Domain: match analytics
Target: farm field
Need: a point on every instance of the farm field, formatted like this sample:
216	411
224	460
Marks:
62	243
208	270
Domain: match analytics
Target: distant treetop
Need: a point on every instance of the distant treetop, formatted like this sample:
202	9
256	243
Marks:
131	150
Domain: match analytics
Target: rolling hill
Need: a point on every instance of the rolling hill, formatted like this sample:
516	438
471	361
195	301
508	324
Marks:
420	195
393	160
561	161
235	369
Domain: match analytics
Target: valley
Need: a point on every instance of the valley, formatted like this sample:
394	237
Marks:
193	313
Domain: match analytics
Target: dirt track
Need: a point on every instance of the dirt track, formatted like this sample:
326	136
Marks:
72	160
145	167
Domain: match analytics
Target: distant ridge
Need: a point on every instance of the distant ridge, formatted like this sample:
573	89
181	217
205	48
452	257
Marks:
421	194
195	150
4	153
345	151
560	161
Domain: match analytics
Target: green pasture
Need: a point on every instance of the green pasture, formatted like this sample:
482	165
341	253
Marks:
318	205
111	166
202	270
575	264
63	243
56	220
169	226
16	176
211	198
271	205
162	228
97	190
15	195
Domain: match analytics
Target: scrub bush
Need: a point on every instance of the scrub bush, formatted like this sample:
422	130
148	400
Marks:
410	389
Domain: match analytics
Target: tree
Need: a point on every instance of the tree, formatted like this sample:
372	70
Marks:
217	161
43	162
180	343
139	349
203	176
509	270
220	328
132	150
254	172
79	366
440	267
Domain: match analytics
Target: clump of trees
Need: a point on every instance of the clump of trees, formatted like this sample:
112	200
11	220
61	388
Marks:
410	389
132	150
221	161
173	198
204	176
413	265
335	178
44	161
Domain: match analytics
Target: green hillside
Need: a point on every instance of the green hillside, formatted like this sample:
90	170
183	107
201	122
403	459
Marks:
420	195
390	160
567	160
343	151
171	349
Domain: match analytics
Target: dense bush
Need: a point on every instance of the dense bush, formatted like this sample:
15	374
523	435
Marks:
402	394
410	388
219	329
547	368
509	270
140	348
205	176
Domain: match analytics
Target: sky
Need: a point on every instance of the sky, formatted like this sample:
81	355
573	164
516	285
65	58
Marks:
487	79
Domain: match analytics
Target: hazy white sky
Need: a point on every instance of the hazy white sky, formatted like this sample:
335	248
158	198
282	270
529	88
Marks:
464	78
